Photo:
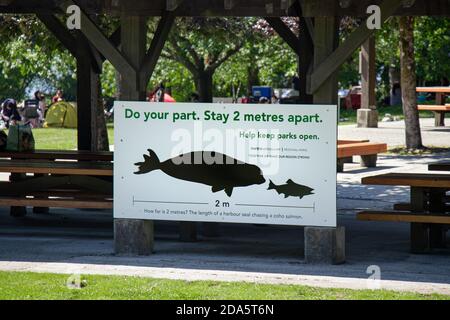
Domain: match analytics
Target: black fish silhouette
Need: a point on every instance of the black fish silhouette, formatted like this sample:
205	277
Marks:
291	189
219	171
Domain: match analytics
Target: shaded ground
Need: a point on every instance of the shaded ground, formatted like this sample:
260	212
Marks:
75	241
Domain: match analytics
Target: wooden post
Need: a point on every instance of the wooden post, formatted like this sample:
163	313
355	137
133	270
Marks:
132	236
420	232
86	92
304	48
325	41
134	33
437	231
368	116
305	61
325	245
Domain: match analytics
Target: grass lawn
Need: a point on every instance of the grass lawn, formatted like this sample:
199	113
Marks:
60	138
395	111
16	285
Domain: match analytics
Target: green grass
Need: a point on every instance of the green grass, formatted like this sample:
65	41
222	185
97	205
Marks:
16	285
395	111
403	151
60	138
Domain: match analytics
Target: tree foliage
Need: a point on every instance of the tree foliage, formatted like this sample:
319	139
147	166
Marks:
232	52
32	59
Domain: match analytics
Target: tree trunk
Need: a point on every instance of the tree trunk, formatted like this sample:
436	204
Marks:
252	79
204	86
408	83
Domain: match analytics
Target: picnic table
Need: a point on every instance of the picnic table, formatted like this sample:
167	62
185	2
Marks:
64	179
427	209
440	108
439	166
368	151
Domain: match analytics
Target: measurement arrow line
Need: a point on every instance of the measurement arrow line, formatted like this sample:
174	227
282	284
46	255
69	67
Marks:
272	206
168	202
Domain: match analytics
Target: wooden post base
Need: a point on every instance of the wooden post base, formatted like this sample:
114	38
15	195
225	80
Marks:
425	237
342	161
369	161
439	119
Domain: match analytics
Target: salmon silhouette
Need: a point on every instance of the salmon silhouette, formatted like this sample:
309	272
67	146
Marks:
214	169
291	189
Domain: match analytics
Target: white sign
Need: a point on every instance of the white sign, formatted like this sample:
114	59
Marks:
261	164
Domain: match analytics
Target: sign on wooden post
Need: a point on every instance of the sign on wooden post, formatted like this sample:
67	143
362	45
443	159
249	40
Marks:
264	164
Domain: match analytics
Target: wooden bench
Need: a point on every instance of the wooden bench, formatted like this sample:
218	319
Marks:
405	216
421	180
342	142
406	206
427	230
105	156
60	184
427	212
368	151
439	113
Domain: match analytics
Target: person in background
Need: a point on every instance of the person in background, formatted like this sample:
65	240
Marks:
59	96
40	97
264	100
157	94
10	115
274	99
34	110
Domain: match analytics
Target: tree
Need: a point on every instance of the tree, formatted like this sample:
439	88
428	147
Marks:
202	45
432	46
32	59
408	83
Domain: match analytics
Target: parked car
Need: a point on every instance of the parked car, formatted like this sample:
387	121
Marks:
353	98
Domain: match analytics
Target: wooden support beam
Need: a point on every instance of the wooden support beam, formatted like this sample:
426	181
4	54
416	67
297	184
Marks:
156	47
325	41
305	22
285	33
302	46
368	74
134	40
102	43
98	57
6	2
229	4
335	59
115	37
306	54
305	61
88	93
286	4
59	31
344	4
172	5
88	70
